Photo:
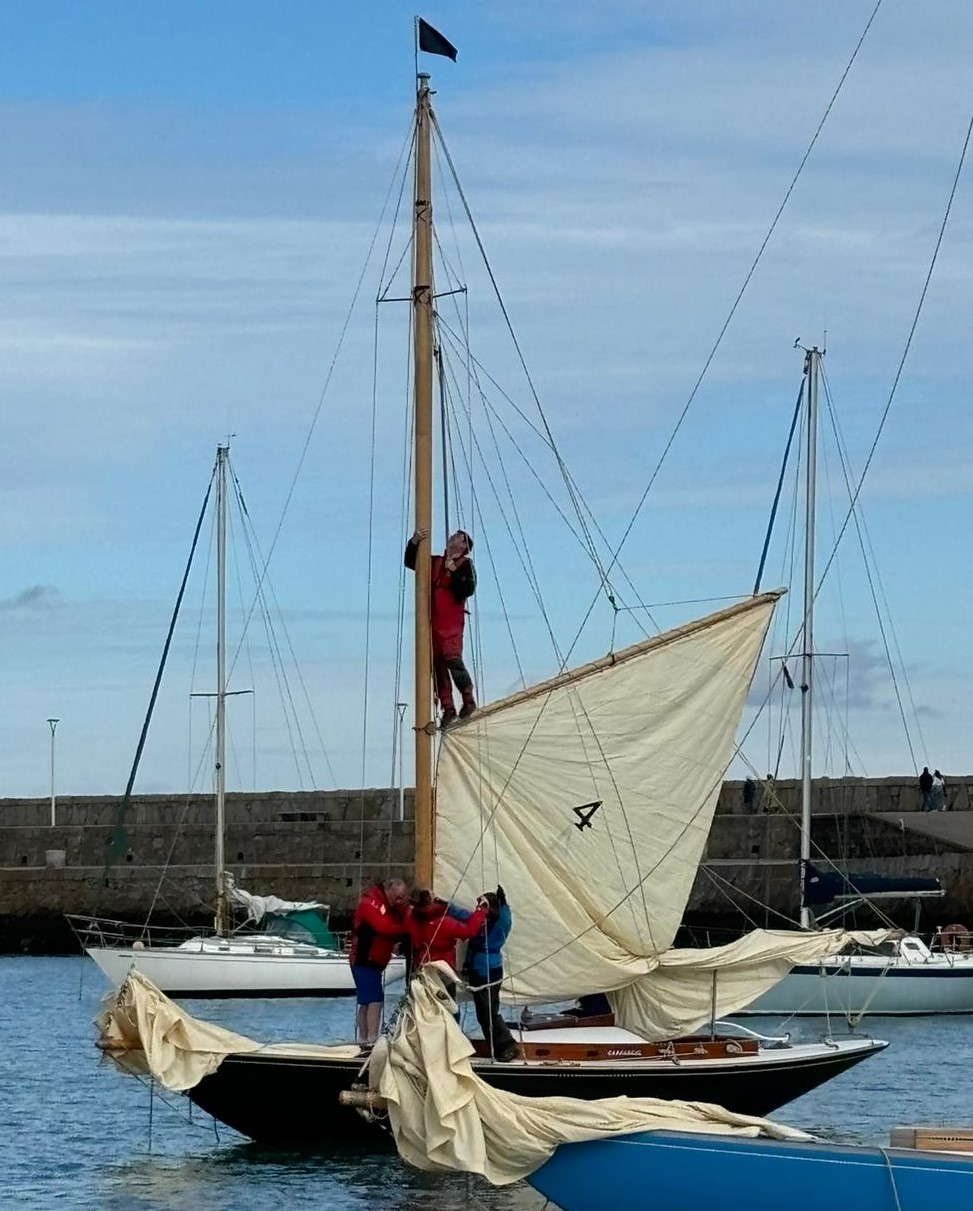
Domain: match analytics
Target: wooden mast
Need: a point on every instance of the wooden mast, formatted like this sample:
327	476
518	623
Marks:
422	333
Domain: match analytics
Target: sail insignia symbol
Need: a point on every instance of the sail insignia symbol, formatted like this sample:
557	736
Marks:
584	814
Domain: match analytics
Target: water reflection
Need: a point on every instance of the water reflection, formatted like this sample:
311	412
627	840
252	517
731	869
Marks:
346	1178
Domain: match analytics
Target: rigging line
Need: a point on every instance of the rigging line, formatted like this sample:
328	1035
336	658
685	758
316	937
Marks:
839	580
690	822
730	891
453	278
117	838
528	561
473	366
196	649
864	541
280	670
780	485
736	303
406	498
230	734
820	856
444	428
317	413
528	571
492	411
484	534
905	354
506	315
368	597
284	694
288	710
625	816
444	194
864	533
407	147
787	577
476	367
529	463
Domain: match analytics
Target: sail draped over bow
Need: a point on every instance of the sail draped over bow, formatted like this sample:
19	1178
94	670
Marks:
590	798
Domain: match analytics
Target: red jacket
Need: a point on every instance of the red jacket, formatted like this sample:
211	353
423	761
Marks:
375	929
448	613
434	933
447	608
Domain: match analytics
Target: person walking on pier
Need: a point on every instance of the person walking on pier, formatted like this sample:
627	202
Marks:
925	789
938	793
378	924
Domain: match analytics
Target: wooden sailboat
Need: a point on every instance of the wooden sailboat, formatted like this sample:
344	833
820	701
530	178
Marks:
285	948
637	743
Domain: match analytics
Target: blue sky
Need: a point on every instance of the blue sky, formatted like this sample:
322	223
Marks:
187	197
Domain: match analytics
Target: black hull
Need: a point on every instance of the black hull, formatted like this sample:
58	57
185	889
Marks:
294	1102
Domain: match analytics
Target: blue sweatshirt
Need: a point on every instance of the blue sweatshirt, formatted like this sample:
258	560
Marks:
483	952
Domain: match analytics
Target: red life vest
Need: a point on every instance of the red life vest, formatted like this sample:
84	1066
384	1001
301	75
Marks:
375	929
434	933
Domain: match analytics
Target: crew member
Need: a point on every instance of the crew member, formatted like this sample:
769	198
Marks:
378	924
484	972
453	580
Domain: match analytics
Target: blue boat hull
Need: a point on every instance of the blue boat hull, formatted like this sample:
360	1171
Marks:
672	1171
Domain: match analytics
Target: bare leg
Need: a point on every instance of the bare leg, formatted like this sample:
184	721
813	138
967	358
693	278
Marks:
361	1025
374	1020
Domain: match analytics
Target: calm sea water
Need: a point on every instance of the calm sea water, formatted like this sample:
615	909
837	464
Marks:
75	1133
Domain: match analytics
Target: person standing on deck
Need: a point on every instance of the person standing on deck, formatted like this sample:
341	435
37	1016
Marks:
453	583
378	924
484	973
435	926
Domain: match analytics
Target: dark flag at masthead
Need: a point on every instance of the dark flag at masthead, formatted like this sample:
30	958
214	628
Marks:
433	43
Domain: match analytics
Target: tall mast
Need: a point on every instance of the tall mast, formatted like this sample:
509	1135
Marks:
222	455
422	334
811	366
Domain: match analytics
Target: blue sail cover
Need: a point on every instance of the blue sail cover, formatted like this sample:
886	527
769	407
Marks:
823	887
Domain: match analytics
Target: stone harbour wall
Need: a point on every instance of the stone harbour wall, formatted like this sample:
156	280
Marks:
326	845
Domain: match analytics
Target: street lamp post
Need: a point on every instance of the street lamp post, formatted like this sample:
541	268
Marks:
53	726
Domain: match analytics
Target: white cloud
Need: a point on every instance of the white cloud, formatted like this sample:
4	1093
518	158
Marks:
176	273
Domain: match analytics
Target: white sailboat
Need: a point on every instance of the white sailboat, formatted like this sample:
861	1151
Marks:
901	975
294	953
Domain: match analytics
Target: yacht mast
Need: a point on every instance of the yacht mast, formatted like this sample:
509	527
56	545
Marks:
422	333
222	457
811	367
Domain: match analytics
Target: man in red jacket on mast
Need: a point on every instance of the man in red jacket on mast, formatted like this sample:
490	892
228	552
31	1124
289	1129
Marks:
453	583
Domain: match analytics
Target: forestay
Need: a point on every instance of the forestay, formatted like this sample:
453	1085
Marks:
639	743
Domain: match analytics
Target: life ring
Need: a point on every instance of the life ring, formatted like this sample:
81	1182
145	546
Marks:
954	937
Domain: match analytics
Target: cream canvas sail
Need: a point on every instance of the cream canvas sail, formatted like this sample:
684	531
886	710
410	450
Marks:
637	743
445	1118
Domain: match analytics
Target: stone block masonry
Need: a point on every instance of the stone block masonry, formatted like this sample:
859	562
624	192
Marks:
326	845
315	845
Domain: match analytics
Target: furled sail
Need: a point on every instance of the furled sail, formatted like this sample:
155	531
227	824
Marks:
445	1117
590	798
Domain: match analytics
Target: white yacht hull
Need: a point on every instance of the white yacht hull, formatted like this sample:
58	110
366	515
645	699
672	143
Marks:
204	969
857	984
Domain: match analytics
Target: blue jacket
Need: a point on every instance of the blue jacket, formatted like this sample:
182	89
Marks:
483	952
